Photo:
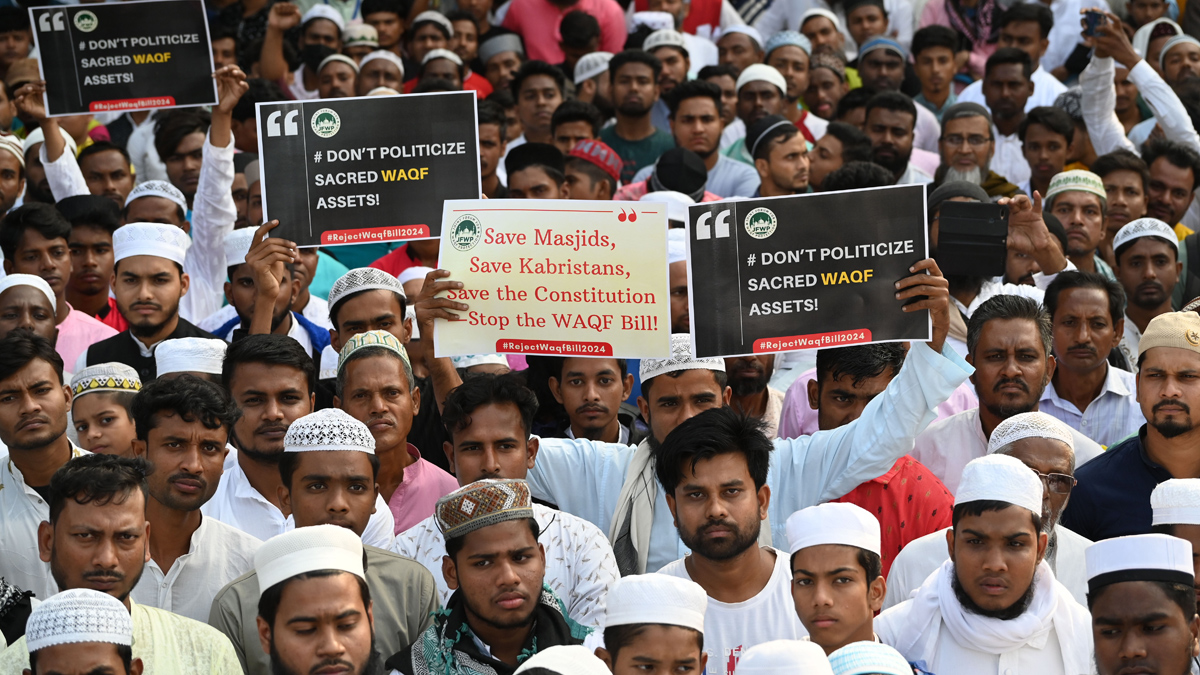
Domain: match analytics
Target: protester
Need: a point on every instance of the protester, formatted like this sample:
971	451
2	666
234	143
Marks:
890	123
537	88
882	63
26	302
740	46
1146	252
1174	505
1028	27
840	145
535	171
572	122
1174	169
591	171
1046	135
101	397
81	630
827	83
669	47
788	52
654	620
967	147
492	148
780	657
380	68
501	55
1126	179
200	357
93	220
935	59
634	77
760	93
780	156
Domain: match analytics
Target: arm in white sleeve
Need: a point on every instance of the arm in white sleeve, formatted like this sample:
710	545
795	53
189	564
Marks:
1099	102
1172	117
581	477
773	19
213	214
64	176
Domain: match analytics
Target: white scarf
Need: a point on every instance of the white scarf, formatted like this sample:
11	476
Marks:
1052	607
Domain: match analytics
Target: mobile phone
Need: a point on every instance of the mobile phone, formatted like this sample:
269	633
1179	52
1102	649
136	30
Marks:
972	239
1091	19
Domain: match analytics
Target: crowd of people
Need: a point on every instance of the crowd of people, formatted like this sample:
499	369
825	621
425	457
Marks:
223	453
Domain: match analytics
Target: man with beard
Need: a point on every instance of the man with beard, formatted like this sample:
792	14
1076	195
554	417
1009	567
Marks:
713	470
634	77
668	47
995	603
1113	496
840	145
329	469
1026	26
748	377
1174	503
335	76
492	147
501	612
1146	252
826	83
677	281
760	92
1045	445
183	424
696	125
501	57
788	52
1009	341
591	391
272	380
1174	169
780	156
1126	179
36	183
149	282
592	84
881	63
891	118
97	537
1046	135
1006	88
315	613
740	46
967	146
1078	199
1142	605
1085	392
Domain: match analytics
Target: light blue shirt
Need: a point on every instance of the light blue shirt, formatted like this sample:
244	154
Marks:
585	478
1111	417
729	178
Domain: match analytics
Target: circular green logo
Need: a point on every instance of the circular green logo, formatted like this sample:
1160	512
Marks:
326	123
86	21
761	223
466	232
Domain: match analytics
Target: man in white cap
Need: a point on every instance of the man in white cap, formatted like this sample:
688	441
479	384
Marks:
995	605
761	91
1147	256
315	610
837	573
329	474
1113	495
784	657
592	84
1079	201
150	285
654	620
27	302
81	631
502	55
335	76
670	48
868	658
380	68
1142	604
740	46
12	171
202	357
1045	445
1176	505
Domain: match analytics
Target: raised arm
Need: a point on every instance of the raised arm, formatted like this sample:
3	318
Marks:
62	170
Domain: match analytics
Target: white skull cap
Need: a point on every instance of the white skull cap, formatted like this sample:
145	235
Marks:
363	279
656	598
31	280
328	430
152	239
1029	425
157	188
237	245
308	549
681	359
78	615
591	65
784	657
564	660
1000	478
834	523
1176	502
1145	227
190	355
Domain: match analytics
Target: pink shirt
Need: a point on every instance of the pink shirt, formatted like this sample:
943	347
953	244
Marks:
78	332
935	14
416	496
537	23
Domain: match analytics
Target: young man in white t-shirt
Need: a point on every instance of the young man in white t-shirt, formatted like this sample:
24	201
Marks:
713	469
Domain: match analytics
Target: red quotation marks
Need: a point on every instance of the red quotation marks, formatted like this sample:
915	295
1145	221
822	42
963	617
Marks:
631	216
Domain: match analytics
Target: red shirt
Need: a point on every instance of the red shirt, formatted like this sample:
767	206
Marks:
396	262
909	501
473	81
112	316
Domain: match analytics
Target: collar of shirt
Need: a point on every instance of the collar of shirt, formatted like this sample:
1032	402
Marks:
623	434
241	488
12	475
1112	385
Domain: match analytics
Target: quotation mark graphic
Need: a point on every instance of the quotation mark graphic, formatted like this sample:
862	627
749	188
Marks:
289	123
704	228
49	21
631	217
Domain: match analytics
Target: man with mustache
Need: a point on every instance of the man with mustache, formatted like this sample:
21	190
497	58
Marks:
1009	339
1113	496
183	424
1078	199
891	119
1126	180
1085	392
634	77
591	391
1174	168
761	91
967	146
97	537
669	47
1148	266
1007	85
748	378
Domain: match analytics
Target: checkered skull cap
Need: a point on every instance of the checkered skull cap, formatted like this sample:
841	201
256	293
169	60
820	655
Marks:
482	504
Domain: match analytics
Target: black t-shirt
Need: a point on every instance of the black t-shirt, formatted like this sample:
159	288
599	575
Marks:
427	432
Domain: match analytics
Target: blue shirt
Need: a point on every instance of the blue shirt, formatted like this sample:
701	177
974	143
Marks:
1112	498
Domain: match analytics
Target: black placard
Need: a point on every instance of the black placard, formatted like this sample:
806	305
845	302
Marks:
366	170
124	56
804	272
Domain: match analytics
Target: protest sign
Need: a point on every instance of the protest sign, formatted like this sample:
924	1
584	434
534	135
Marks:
561	278
366	170
803	272
124	56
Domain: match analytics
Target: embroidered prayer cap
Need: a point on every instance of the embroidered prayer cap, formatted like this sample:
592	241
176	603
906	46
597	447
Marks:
102	377
153	239
761	72
372	338
676	245
1000	478
38	135
338	58
415	272
1029	425
1156	28
597	152
360	35
13	145
747	30
677	203
157	188
654	20
883	43
533	154
868	658
324	12
505	42
812	13
564	660
680	359
363	279
1176	502
784	657
1075	180
442	54
481	504
666	37
469	360
78	615
430	16
308	549
834	523
237	245
190	355
1146	227
656	598
386	55
31	280
328	430
827	59
1172	329
1139	557
786	38
591	65
1182	38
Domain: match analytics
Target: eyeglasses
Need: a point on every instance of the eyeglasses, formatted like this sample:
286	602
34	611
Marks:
975	140
1058	483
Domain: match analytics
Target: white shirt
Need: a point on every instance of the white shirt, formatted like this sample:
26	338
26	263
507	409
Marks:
701	52
729	178
732	628
217	555
238	504
913	175
734	132
316	311
142	154
227	313
1100	100
1009	161
947	445
579	562
1129	343
1046	88
927	130
991	288
1110	417
213	215
924	555
1064	36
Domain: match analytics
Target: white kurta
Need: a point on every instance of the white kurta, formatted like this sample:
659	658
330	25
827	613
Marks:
217	555
947	445
579	562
